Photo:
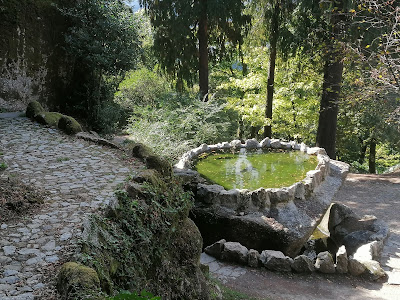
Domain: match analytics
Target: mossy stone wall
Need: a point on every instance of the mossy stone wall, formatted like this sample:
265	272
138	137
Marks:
33	63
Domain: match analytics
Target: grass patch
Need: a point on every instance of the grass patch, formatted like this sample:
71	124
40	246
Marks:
3	166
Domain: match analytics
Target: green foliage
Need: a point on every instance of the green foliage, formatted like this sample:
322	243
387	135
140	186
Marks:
141	87
126	295
180	123
105	44
176	24
3	166
138	245
103	36
296	99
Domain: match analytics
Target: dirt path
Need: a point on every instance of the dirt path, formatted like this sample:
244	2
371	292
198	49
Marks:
377	195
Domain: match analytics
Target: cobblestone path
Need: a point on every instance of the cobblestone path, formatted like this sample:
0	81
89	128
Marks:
79	177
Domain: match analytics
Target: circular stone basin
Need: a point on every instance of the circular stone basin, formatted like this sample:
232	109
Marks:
251	170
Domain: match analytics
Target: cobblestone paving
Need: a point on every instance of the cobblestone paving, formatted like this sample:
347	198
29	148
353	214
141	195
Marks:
78	177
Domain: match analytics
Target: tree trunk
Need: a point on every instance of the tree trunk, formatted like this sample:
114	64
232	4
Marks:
372	156
362	152
203	51
333	72
272	60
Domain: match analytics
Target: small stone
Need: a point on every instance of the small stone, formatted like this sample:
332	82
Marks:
355	267
51	259
9	272
4	260
38	286
275	143
265	143
252	144
9	250
49	246
341	260
253	258
4	226
65	236
9	279
276	261
236	144
215	249
324	263
234	252
303	264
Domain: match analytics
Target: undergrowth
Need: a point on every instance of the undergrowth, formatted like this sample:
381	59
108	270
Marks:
147	243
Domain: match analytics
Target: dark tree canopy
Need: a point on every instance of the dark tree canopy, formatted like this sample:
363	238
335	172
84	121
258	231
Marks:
177	31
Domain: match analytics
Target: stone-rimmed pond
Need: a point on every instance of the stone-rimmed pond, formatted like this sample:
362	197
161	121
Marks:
253	169
264	218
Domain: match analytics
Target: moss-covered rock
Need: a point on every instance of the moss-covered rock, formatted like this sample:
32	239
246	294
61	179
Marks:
159	164
69	125
34	108
48	118
148	242
76	281
140	150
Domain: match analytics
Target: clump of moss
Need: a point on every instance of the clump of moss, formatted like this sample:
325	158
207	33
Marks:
48	118
34	108
69	125
159	164
76	281
140	150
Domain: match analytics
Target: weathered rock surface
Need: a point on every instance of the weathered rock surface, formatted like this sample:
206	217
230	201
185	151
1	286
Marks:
276	261
303	264
324	263
252	144
75	281
215	249
342	260
253	258
347	228
355	267
235	252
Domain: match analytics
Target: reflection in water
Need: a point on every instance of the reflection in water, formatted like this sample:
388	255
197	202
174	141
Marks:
256	169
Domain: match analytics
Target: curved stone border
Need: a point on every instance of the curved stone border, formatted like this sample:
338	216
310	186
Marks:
364	262
216	194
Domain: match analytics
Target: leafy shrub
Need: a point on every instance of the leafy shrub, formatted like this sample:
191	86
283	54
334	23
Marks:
141	87
181	123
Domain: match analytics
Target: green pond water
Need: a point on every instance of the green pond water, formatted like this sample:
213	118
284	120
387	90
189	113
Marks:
252	170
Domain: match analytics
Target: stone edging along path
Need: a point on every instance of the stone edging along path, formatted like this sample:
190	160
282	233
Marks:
79	178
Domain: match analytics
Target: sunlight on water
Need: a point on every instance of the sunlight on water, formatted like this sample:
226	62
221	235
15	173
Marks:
254	169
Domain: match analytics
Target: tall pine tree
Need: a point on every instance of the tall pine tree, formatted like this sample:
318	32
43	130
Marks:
184	29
